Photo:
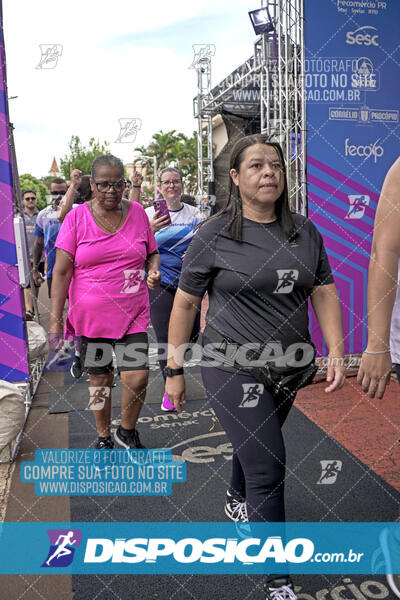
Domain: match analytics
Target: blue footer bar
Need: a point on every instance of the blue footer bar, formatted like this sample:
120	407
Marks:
200	548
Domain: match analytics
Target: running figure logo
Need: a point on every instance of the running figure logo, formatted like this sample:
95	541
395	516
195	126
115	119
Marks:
330	470
251	394
133	279
62	547
358	203
287	279
202	51
128	129
50	54
97	397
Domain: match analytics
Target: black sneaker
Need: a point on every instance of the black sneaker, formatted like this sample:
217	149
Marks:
76	367
128	438
104	443
235	508
280	589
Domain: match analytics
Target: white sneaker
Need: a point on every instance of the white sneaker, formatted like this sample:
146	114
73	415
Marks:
235	508
280	592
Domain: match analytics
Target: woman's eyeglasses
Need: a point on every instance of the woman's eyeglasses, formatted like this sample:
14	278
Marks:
104	186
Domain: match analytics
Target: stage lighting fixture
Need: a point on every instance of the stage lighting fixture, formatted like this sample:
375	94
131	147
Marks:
261	20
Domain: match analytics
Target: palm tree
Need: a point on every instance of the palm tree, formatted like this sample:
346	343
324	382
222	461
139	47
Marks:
176	148
163	146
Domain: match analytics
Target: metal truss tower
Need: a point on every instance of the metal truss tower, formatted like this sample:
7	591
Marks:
280	56
277	70
205	169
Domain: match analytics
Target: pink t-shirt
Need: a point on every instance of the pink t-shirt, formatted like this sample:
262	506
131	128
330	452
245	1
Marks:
108	294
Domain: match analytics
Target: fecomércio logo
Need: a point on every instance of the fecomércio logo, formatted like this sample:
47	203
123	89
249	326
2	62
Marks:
357	206
62	547
363	36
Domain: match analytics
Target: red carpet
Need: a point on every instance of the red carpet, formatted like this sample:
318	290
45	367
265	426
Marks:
370	429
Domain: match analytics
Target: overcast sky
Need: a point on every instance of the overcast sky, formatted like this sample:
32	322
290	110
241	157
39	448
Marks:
120	59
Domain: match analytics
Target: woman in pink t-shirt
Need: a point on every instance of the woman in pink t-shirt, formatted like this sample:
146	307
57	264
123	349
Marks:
103	249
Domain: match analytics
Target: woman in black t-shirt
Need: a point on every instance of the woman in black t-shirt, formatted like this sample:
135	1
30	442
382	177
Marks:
259	264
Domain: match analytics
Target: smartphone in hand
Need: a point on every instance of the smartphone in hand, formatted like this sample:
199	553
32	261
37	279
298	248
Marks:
161	207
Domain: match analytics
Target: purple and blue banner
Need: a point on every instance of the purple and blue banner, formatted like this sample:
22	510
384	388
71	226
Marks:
353	133
13	347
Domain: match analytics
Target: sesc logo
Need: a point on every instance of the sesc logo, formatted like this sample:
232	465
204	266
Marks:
363	151
362	36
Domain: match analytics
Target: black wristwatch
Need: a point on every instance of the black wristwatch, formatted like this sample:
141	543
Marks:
168	372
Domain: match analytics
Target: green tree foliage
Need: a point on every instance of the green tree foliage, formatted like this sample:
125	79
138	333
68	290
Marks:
172	148
165	146
80	156
29	182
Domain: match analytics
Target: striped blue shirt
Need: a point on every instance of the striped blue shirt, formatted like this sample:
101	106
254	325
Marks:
173	241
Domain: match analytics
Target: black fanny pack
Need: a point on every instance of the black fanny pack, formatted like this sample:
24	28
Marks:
282	382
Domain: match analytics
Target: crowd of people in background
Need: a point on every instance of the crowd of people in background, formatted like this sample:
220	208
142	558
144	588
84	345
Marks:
119	266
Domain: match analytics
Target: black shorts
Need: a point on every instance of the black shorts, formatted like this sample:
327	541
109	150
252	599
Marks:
131	352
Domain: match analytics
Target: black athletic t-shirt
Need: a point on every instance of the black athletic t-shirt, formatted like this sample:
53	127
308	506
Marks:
258	288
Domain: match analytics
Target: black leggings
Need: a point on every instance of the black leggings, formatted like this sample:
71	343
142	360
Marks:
161	301
252	420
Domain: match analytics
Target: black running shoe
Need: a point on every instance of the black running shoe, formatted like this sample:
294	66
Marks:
76	367
235	508
280	589
128	438
104	443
